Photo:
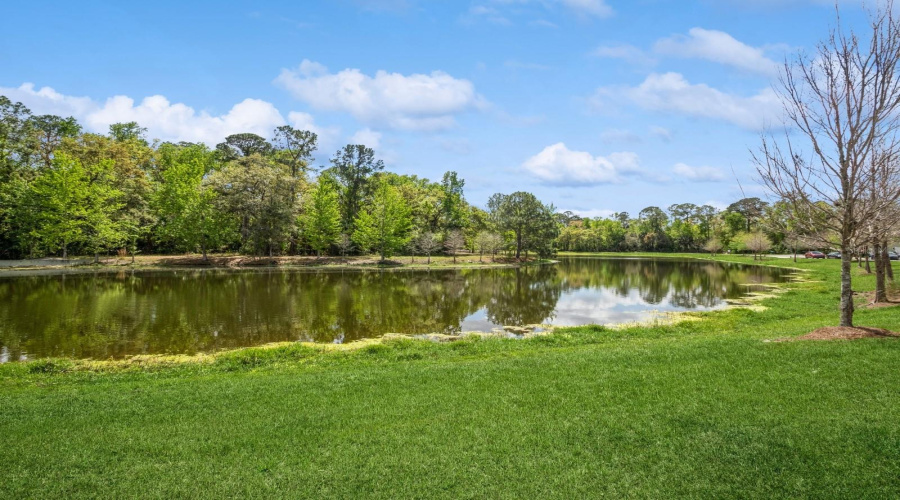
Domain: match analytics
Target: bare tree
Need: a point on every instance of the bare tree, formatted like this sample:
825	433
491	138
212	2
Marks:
344	244
454	242
758	243
427	243
713	246
485	241
842	103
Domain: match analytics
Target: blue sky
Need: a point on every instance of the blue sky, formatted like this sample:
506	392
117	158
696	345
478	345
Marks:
594	105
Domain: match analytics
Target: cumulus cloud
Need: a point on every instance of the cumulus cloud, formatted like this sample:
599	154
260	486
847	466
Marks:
411	102
718	47
671	92
163	119
367	137
559	165
699	174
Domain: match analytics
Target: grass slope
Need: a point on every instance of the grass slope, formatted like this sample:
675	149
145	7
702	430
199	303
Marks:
701	408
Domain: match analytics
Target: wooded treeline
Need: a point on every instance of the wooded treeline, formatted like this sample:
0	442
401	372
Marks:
64	191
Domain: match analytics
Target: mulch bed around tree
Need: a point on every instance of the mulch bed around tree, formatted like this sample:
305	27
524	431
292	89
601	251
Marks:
843	333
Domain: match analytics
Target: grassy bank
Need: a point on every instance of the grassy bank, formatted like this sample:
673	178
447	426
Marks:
166	262
699	408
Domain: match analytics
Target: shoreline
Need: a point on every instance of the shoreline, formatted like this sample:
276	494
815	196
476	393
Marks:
238	263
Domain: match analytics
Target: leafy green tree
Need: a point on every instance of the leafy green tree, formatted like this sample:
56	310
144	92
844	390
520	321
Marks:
187	208
453	207
17	144
321	219
130	131
75	206
259	192
49	131
242	145
385	225
353	167
532	224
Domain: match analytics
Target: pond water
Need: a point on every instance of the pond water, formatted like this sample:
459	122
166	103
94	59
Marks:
111	315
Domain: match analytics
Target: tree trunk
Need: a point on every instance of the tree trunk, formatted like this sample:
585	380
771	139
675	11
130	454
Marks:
880	290
888	268
868	267
65	251
454	257
429	259
846	287
518	246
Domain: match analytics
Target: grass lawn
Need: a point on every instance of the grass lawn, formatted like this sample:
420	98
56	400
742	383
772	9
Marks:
697	409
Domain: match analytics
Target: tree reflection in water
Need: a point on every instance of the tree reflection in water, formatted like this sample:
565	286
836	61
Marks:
114	315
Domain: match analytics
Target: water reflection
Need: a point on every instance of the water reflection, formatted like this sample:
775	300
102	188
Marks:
114	315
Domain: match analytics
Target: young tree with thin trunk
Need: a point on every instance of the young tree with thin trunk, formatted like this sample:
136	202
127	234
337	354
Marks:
758	243
842	103
344	244
321	219
454	242
713	246
385	226
427	243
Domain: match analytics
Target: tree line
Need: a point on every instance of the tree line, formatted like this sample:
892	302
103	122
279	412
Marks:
64	191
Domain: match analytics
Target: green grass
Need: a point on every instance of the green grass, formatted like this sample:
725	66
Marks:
696	409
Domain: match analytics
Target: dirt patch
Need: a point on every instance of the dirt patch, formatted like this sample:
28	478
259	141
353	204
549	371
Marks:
868	302
843	333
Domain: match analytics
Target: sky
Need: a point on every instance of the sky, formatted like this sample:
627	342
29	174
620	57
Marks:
597	106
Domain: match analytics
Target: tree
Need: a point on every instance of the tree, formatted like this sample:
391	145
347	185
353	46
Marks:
49	132
526	217
757	242
187	207
242	145
751	208
427	243
295	148
74	205
321	219
344	244
259	192
713	246
454	242
385	225
17	143
352	167
842	103
453	209
483	243
130	131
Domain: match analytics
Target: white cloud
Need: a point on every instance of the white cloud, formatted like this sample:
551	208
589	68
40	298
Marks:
367	137
597	8
662	133
625	52
718	47
558	165
163	119
671	92
699	174
414	102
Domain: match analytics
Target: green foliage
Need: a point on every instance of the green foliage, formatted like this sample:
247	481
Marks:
321	219
187	207
532	223
385	225
352	167
261	192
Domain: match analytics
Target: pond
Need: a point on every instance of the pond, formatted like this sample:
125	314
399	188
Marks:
111	315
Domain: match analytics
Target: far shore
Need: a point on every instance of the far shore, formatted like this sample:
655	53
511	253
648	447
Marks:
52	265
